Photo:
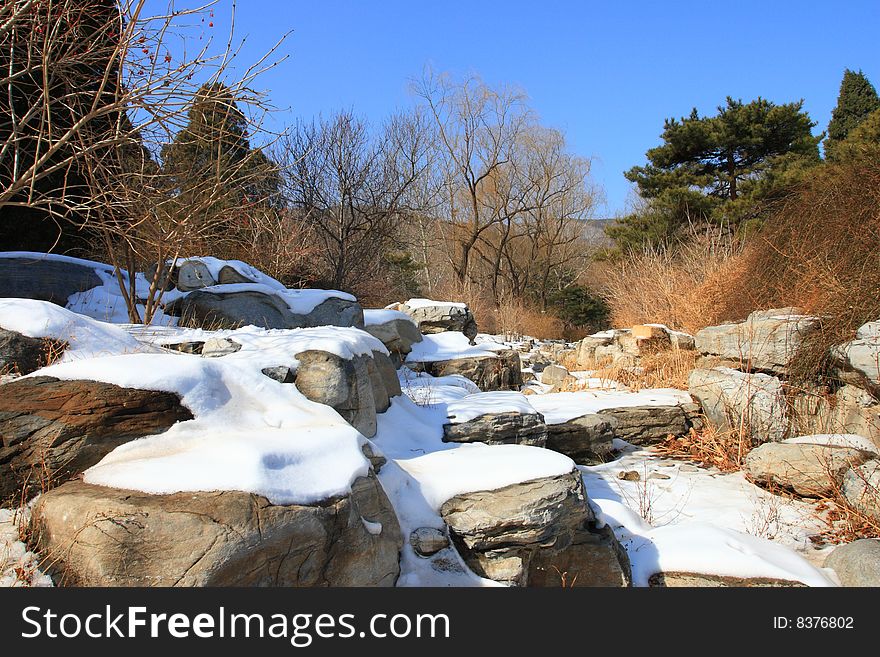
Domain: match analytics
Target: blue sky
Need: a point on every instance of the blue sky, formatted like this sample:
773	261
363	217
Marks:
606	73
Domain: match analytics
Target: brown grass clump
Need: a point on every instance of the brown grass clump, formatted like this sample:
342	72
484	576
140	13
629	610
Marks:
710	447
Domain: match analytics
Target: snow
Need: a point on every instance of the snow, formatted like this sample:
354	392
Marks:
86	337
428	303
485	403
18	565
250	433
448	346
383	316
561	407
836	440
214	265
300	302
427	390
57	258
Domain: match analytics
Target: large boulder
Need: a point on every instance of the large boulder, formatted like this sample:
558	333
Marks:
808	470
553	375
734	401
21	354
766	340
441	316
53	430
501	371
586	440
397	334
849	409
856	563
99	536
535	533
861	488
860	358
38	276
215	309
511	428
647	425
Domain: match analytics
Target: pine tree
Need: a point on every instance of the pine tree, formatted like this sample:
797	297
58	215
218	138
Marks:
857	99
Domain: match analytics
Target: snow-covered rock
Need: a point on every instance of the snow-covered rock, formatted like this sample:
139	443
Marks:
586	440
397	331
441	316
862	355
46	277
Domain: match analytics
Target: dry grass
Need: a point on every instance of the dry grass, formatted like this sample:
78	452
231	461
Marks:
663	369
710	446
845	523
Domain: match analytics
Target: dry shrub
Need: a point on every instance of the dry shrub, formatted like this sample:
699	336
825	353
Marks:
710	446
664	369
684	288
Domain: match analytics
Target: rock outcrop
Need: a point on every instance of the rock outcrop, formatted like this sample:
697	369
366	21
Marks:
53	430
46	279
98	536
438	317
647	425
586	440
856	563
398	336
499	429
501	371
21	354
627	346
535	533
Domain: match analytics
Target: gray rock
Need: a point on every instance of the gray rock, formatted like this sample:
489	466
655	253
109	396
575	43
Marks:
381	398
861	488
398	336
376	459
346	385
732	400
193	275
767	340
218	347
231	276
53	430
442	317
280	373
849	409
189	347
517	533
646	425
862	356
34	277
856	563
428	540
108	537
705	580
586	440
216	309
387	373
20	354
808	470
499	372
511	428
554	374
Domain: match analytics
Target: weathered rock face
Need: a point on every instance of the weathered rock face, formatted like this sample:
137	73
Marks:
646	425
20	354
704	580
627	346
515	534
499	372
387	374
58	429
553	375
218	347
193	275
346	385
440	317
861	488
499	429
767	340
398	336
808	470
733	399
47	280
109	537
428	540
849	409
856	563
862	356
230	310
586	440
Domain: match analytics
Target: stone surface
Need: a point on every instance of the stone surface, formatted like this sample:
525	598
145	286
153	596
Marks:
856	563
218	347
849	409
57	429
442	317
515	533
20	354
376	458
646	425
733	399
552	375
705	580
428	540
626	346
499	372
861	488
808	470
280	373
586	440
861	356
47	280
767	340
398	336
231	276
230	310
387	373
109	537
193	275
499	429
346	385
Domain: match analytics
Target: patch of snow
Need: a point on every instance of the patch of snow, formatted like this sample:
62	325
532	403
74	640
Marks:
428	303
300	302
448	346
836	440
214	265
427	390
559	407
374	528
18	565
485	403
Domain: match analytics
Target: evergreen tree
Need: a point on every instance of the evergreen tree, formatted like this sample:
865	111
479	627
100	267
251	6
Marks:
857	99
717	169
